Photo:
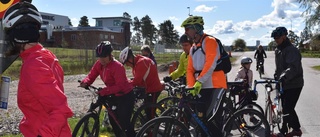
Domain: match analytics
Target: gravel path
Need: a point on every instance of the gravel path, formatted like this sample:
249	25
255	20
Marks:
78	100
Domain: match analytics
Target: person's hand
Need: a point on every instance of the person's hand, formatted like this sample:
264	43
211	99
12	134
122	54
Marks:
275	76
84	85
282	78
197	87
167	79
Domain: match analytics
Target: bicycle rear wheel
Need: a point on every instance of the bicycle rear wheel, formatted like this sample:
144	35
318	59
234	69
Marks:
88	126
236	126
169	102
164	126
140	116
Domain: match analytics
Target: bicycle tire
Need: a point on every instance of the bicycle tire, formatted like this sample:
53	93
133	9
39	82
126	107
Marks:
140	118
273	118
253	105
88	126
235	126
169	102
164	126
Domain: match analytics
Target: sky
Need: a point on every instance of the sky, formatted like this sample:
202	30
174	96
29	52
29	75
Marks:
228	20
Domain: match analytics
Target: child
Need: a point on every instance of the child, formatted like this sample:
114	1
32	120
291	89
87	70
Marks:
245	73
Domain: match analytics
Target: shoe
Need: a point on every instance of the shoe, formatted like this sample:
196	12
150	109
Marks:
294	133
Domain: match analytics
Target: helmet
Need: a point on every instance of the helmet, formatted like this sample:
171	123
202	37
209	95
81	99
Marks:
21	23
104	49
246	60
192	20
279	31
184	38
20	13
124	55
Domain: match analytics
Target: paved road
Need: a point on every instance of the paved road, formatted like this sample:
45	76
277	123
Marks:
308	105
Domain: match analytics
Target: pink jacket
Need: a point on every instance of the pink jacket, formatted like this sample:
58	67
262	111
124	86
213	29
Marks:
114	77
41	95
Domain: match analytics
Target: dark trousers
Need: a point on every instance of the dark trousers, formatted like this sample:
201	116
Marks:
123	113
151	98
289	100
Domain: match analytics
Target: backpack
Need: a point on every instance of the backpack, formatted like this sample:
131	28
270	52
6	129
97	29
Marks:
224	62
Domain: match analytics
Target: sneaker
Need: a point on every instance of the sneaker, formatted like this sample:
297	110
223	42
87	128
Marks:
294	133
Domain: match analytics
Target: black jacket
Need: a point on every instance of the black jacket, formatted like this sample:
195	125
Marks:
288	64
260	55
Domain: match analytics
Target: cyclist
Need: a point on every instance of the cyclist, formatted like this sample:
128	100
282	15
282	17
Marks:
201	76
40	95
146	51
259	55
245	73
113	74
288	71
181	70
145	74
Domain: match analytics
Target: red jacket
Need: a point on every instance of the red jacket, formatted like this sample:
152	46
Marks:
41	95
114	77
145	74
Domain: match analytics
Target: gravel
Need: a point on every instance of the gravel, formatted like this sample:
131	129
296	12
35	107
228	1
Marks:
78	100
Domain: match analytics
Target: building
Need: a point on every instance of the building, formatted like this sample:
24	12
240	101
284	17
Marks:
56	32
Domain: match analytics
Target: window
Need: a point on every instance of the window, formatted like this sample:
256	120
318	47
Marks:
105	36
73	37
116	23
112	37
99	23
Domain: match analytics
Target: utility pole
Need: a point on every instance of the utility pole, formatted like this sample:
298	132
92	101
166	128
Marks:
189	11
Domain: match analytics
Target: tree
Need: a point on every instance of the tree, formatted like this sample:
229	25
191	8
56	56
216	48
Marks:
293	38
313	10
315	42
70	22
168	35
148	30
239	43
306	34
137	39
84	22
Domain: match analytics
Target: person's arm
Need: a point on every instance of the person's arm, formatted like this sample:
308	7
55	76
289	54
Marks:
190	71
93	74
45	88
140	70
181	70
212	55
294	68
264	53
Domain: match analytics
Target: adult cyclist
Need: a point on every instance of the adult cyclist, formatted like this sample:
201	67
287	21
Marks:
113	74
201	76
145	74
183	61
259	55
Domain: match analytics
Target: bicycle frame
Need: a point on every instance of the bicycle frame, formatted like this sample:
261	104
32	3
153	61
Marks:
274	108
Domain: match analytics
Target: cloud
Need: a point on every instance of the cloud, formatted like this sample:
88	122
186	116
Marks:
204	8
222	27
107	2
173	18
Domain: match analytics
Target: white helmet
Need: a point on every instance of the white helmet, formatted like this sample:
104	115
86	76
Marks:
246	60
124	55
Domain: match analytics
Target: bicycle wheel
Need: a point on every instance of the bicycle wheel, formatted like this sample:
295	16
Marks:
236	127
140	116
270	116
88	126
169	102
254	106
164	126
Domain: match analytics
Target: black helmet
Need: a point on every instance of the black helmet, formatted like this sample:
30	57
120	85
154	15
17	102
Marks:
104	49
184	38
279	31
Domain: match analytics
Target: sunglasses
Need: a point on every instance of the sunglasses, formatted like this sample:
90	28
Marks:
187	28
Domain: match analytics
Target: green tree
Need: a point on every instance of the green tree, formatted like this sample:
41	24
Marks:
306	34
84	22
293	38
239	43
315	42
148	30
69	22
168	35
312	9
137	38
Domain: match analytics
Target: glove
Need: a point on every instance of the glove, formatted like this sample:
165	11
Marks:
197	87
167	79
84	85
275	76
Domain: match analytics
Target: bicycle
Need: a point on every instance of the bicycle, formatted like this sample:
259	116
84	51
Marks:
245	101
260	67
184	120
273	110
89	124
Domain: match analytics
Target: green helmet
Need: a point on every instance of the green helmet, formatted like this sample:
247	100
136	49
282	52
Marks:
192	20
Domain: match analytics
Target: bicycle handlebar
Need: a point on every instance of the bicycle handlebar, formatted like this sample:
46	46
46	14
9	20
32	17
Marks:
268	81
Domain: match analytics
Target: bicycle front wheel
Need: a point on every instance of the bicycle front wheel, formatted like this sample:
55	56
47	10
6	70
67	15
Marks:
237	126
164	126
88	126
